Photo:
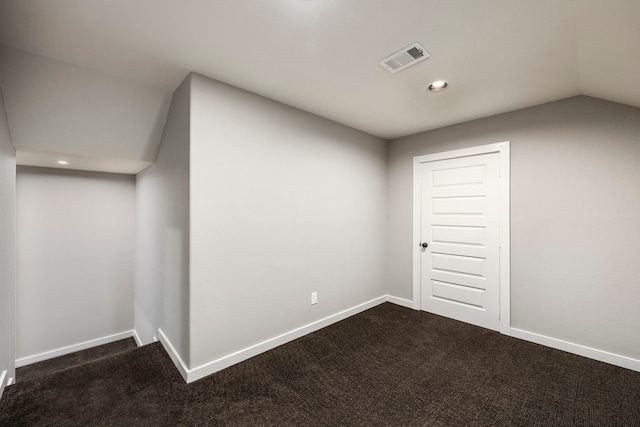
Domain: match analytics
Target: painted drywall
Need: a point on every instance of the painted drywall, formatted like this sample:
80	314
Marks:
162	254
283	204
57	107
575	205
75	251
7	249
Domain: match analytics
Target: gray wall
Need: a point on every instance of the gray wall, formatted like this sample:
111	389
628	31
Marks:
575	209
7	248
162	258
283	203
75	250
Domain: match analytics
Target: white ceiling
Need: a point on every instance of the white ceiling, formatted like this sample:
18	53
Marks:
92	120
322	55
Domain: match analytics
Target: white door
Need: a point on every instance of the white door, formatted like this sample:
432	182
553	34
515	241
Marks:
460	238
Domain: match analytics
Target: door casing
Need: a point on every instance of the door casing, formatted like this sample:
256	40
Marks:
502	148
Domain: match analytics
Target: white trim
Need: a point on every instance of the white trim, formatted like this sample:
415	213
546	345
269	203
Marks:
463	152
417	223
505	237
239	356
136	338
580	350
24	361
2	386
400	301
502	148
191	375
173	354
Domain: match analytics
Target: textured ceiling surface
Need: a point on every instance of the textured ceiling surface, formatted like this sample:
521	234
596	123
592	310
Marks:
322	55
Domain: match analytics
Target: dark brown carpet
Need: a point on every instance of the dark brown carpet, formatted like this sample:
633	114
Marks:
89	355
388	366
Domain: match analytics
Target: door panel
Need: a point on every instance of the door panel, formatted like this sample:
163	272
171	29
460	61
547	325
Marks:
472	206
458	294
466	265
459	176
459	279
457	235
460	222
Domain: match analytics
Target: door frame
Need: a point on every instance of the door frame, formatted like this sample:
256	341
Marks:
504	194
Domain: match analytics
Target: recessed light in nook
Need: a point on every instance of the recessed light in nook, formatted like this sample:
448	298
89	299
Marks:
438	85
63	162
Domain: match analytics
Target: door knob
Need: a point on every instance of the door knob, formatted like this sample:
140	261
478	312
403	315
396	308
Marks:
424	245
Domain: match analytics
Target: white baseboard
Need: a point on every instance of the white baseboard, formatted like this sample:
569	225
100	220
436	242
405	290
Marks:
400	301
173	354
580	350
24	361
2	384
239	356
209	368
558	344
136	338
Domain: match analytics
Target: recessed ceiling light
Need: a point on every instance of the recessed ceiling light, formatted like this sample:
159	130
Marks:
63	162
438	85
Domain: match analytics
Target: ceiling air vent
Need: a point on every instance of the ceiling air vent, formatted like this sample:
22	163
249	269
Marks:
407	57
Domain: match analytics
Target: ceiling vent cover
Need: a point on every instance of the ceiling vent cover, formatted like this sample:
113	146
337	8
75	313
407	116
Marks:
407	57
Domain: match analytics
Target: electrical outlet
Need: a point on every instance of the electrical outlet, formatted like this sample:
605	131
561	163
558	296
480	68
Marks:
314	298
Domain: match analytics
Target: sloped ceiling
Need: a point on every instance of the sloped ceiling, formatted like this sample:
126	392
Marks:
91	120
321	55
